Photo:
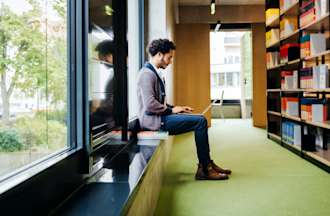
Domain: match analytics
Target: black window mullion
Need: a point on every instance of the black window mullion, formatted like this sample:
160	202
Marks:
71	81
141	32
120	65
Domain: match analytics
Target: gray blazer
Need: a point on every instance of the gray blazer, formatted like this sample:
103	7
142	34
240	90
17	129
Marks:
149	98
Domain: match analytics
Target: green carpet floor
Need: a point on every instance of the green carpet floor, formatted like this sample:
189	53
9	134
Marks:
267	179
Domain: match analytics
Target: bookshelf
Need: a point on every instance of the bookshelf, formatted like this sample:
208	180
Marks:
274	136
318	24
274	44
291	10
292	36
298	80
274	113
273	22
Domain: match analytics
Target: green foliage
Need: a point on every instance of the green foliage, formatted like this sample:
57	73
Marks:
22	36
57	135
38	132
60	7
33	53
10	141
58	115
32	130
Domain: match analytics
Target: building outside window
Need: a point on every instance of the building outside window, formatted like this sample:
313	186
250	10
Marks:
225	64
34	82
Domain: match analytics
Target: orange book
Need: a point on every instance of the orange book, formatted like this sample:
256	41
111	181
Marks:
309	112
303	111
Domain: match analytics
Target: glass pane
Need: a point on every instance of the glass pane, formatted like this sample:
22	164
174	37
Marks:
33	104
226	46
101	74
229	77
221	80
236	59
134	54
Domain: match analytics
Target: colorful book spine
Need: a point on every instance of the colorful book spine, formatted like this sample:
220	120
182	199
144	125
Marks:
307	17
271	14
313	109
306	77
290	106
289	79
291	133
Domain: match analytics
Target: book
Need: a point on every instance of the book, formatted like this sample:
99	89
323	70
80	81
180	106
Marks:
153	135
142	135
324	76
317	43
321	7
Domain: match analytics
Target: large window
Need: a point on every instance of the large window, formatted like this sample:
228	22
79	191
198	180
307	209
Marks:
226	55
33	81
135	37
226	80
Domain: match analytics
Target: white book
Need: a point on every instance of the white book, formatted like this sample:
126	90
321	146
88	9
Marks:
316	77
321	8
295	79
324	76
288	82
292	108
317	43
317	113
274	60
297	135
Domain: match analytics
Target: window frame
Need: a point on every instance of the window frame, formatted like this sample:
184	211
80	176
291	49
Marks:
141	17
141	31
74	142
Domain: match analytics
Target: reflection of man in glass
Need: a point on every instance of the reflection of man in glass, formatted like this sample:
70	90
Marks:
103	109
105	51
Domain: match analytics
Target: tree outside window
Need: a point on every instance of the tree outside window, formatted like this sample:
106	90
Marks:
33	80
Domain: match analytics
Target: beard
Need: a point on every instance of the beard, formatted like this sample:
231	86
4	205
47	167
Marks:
163	65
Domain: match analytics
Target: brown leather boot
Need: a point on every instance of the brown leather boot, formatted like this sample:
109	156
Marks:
219	169
211	175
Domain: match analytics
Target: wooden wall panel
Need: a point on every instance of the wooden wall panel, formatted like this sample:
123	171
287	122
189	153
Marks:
259	104
192	67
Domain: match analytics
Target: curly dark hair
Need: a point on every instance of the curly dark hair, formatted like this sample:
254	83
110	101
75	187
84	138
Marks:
160	45
105	47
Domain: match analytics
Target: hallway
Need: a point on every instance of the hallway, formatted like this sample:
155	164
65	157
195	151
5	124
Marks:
267	179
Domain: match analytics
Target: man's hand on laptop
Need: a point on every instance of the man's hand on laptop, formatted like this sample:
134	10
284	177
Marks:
182	109
188	109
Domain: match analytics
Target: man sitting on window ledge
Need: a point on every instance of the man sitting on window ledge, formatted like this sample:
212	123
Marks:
156	114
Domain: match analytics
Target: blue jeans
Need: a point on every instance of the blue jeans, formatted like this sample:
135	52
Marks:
182	123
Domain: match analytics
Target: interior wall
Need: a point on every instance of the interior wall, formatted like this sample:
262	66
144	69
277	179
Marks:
161	24
170	28
259	103
156	19
192	67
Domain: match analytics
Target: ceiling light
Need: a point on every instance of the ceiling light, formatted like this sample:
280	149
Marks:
212	7
108	10
217	27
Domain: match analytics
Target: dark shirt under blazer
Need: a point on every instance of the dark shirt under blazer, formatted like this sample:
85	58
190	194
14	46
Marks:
149	93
